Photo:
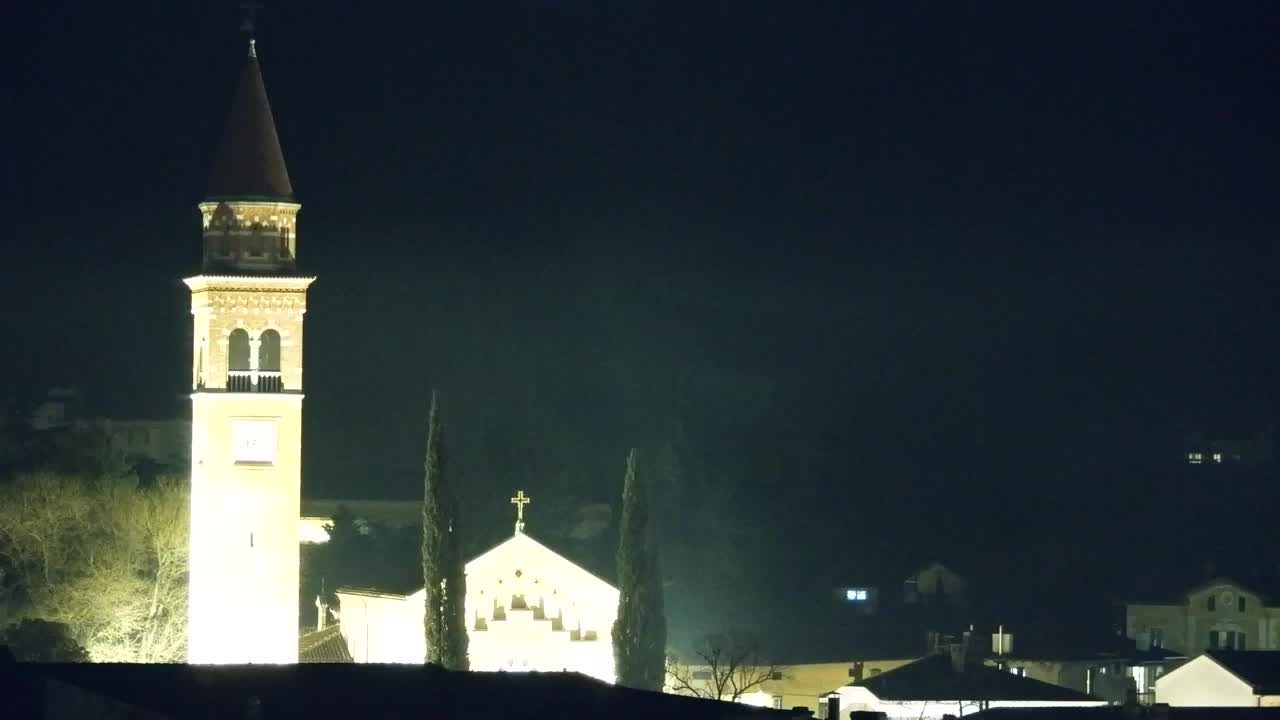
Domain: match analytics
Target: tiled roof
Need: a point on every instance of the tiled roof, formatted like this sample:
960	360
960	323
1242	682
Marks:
250	164
1259	668
324	646
935	678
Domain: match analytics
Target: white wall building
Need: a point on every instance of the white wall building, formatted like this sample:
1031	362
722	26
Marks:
527	608
1220	614
939	685
1223	678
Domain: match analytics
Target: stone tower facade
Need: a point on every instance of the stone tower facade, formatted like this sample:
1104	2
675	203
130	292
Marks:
246	416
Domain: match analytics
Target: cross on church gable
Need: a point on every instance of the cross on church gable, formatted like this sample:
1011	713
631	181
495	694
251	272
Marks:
520	500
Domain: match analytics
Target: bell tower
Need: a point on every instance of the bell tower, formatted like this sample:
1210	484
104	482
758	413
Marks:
246	402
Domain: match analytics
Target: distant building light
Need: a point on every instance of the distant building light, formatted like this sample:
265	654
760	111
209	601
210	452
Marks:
1217	457
855	594
1195	458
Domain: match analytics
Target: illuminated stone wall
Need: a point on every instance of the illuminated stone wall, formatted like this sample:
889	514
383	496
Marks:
220	305
245	494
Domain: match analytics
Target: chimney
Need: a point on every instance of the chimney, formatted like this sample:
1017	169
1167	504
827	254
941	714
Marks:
322	613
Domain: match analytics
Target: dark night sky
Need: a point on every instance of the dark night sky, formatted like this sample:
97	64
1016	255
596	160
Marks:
969	256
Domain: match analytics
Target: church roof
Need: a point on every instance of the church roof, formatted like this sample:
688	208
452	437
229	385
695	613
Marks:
250	164
324	646
1260	669
523	538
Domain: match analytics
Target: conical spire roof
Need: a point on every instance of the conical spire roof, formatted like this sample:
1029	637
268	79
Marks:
250	164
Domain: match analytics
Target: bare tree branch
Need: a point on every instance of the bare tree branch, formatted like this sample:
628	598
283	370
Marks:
724	666
106	558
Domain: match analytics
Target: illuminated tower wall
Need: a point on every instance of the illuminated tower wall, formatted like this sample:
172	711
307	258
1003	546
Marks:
246	416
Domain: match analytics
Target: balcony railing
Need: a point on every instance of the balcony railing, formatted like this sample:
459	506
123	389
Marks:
264	381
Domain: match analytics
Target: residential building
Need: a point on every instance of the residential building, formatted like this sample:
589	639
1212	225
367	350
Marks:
1220	614
935	583
792	686
949	684
1252	450
1110	676
1224	678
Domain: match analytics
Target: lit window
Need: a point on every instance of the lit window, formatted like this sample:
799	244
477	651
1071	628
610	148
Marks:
1195	458
856	594
1217	457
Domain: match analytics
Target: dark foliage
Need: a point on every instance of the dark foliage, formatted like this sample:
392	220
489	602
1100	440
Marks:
42	641
640	632
442	567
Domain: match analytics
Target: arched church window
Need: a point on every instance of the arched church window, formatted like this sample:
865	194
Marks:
269	351
238	376
238	350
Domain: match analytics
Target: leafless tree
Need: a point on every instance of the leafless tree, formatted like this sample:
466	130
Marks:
106	558
723	666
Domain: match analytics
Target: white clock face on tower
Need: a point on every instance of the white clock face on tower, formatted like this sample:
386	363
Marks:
253	441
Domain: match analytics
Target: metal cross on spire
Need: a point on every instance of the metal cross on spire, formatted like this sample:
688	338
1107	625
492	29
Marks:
250	10
520	500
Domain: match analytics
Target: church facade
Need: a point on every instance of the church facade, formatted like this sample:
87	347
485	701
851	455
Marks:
528	609
247	306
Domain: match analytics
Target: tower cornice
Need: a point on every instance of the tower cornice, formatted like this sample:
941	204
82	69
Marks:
248	283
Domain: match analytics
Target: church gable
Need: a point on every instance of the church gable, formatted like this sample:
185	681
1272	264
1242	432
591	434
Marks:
522	549
529	608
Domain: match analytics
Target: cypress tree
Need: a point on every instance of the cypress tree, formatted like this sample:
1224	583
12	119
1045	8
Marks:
640	632
442	570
